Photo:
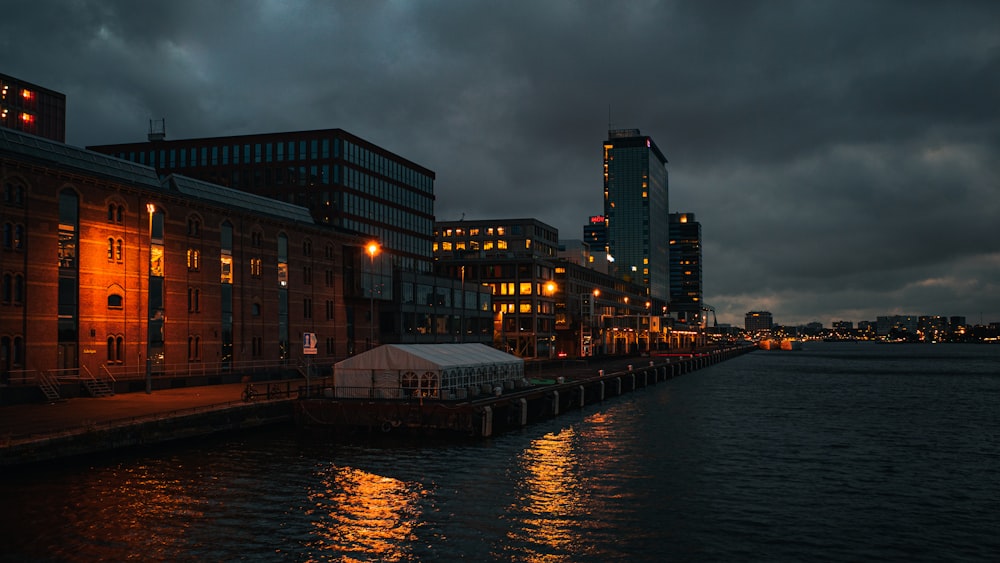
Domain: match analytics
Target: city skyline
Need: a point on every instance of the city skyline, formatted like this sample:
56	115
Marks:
841	161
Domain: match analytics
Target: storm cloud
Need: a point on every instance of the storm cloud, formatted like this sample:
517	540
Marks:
841	156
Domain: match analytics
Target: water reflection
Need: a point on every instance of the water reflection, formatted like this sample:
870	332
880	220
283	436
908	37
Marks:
551	501
138	512
359	515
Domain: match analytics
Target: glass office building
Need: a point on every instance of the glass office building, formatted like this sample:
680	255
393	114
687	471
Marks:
685	269
32	109
636	210
342	179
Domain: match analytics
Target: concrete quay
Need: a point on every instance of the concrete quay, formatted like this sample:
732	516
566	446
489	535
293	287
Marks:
38	432
572	386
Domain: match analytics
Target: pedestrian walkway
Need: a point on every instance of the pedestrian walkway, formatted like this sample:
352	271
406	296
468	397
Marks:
38	420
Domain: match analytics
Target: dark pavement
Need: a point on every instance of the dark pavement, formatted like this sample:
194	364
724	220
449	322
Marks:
33	421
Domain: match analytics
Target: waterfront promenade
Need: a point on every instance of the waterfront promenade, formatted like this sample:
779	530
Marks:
44	431
39	431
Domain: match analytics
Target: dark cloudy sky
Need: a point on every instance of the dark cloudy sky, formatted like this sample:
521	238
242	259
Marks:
843	157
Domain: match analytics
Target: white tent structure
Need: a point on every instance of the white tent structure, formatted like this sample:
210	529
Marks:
398	371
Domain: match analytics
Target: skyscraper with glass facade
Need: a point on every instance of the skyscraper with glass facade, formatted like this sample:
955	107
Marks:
685	269
636	210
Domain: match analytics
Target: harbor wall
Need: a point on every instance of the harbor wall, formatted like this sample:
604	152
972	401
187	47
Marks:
485	416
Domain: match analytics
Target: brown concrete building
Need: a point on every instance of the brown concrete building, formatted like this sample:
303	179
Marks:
515	258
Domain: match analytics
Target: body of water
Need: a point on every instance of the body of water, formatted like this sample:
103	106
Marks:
838	452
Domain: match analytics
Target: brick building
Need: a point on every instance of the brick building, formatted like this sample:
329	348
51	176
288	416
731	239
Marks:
105	267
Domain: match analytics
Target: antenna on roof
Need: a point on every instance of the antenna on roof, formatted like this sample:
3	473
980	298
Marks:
158	129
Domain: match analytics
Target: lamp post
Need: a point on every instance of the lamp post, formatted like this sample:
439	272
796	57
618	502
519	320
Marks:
600	331
150	209
372	249
550	291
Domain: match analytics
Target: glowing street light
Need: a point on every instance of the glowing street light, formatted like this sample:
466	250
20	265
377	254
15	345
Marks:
372	249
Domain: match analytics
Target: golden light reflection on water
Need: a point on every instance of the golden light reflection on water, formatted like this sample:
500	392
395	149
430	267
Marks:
130	514
361	516
555	502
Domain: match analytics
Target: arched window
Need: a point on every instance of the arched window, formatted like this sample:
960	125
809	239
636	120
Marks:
194	300
119	249
8	236
115	301
5	354
18	352
13	193
112	212
120	349
194	347
111	249
111	348
18	237
18	289
8	288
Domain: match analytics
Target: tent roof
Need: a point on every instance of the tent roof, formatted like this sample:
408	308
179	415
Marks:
427	356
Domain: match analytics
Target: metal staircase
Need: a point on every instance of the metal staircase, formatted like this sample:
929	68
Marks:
49	387
97	388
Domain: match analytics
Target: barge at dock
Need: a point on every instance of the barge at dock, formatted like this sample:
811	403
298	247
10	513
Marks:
422	400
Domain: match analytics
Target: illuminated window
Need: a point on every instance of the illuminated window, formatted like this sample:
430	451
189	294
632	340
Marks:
119	250
226	265
445	246
501	245
525	288
488	245
193	259
525	307
28	95
255	267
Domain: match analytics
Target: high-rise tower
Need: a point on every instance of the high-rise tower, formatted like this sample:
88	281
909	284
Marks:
685	268
636	210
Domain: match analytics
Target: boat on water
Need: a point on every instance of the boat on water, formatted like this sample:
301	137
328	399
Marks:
782	344
791	344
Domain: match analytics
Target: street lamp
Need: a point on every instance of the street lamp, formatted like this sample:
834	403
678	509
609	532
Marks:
600	330
150	210
372	249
